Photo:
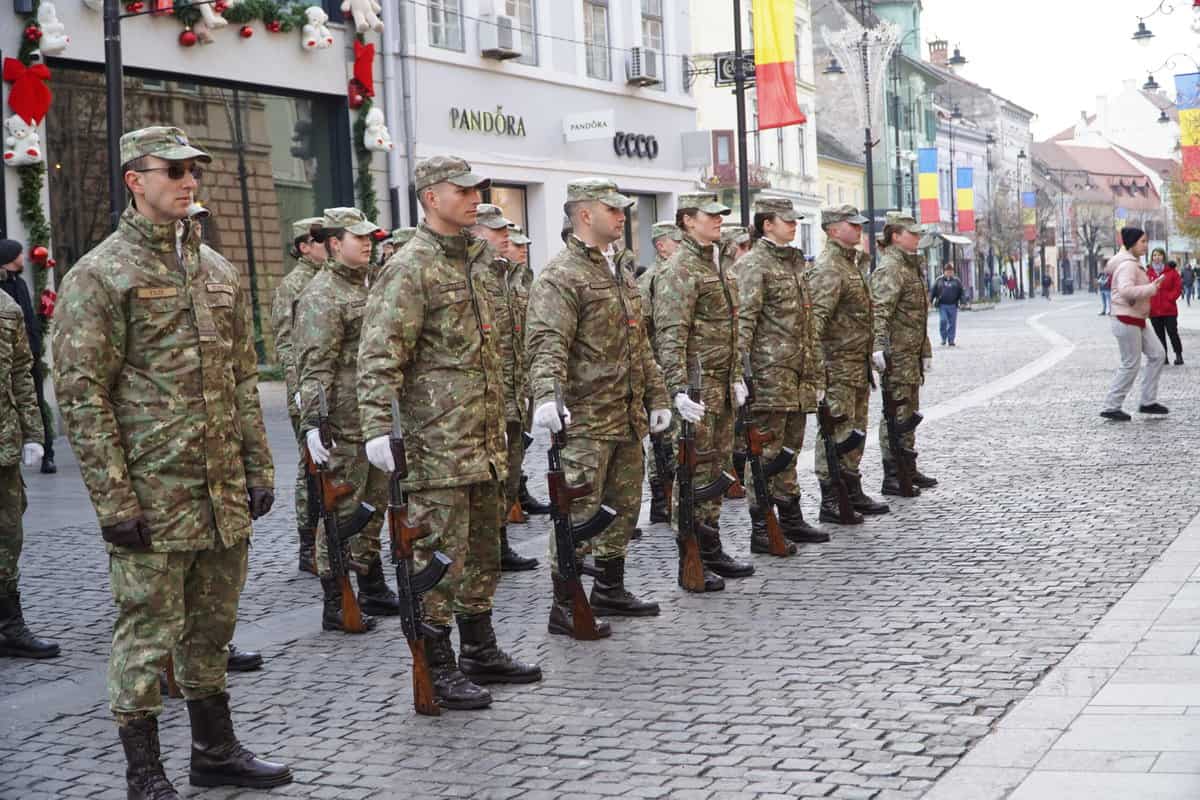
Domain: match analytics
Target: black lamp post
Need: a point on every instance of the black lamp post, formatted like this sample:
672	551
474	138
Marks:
991	140
1021	220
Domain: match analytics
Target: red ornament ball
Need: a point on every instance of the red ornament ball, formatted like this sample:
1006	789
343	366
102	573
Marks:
220	7
246	32
135	7
51	263
33	33
355	100
39	253
187	38
274	26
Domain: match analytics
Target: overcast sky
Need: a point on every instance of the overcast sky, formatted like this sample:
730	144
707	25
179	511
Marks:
1055	56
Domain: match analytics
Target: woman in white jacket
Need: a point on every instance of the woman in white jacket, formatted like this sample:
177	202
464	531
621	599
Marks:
1131	293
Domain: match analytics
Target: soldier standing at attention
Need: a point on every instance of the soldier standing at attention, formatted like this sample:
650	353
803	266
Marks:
775	328
329	318
901	314
309	256
666	237
491	226
841	316
155	374
695	314
429	339
586	334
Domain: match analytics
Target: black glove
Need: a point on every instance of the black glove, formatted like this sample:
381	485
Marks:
261	500
133	533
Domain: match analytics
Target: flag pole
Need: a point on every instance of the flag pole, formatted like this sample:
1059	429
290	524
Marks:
739	91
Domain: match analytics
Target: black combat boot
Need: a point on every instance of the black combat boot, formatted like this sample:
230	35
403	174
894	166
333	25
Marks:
530	504
922	480
562	621
635	534
712	583
331	613
715	558
374	595
482	660
891	481
218	758
760	542
451	688
145	778
660	502
16	640
242	660
511	560
308	550
795	529
863	504
829	507
48	467
610	598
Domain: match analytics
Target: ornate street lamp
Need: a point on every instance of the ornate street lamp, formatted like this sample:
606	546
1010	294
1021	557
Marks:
833	68
1142	35
956	60
1150	85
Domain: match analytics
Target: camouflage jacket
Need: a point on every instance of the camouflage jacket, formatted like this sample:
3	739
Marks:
695	313
329	318
20	415
429	336
775	327
157	379
841	315
586	332
646	290
283	319
901	313
509	308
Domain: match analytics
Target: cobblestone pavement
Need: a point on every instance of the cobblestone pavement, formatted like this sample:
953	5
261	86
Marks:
861	668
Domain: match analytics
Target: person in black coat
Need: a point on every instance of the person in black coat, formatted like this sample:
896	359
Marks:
13	265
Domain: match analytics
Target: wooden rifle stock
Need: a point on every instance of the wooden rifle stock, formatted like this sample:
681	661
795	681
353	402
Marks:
423	700
330	494
755	441
691	571
172	686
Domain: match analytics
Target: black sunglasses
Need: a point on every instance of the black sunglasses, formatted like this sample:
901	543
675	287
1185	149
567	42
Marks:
176	171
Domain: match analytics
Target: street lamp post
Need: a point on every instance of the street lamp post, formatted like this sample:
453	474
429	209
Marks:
991	140
739	90
1021	227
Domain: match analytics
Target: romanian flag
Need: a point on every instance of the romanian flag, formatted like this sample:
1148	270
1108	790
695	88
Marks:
966	199
927	184
1029	215
1187	99
775	64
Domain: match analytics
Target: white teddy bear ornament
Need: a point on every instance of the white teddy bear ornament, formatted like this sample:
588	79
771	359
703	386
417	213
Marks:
54	34
315	35
365	13
376	136
21	143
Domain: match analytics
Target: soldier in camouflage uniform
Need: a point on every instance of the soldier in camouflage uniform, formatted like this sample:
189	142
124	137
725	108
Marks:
775	328
20	441
666	237
429	338
901	313
329	318
735	244
509	299
695	314
309	256
392	244
586	334
841	318
157	380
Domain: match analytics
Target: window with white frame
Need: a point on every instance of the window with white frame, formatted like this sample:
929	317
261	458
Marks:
758	159
523	12
780	160
799	49
595	38
806	231
446	24
803	140
652	34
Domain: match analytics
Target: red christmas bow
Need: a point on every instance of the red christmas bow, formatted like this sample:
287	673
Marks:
364	66
30	96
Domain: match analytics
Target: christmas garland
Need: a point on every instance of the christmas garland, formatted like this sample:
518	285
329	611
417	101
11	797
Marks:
276	17
33	180
364	183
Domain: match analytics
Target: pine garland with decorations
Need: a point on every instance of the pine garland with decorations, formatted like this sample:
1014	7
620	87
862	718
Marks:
364	182
275	17
33	180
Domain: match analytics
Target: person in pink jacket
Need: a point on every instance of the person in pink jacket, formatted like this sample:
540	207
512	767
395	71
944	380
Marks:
1131	293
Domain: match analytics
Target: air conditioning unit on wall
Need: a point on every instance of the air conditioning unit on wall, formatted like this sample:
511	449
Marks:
641	67
499	37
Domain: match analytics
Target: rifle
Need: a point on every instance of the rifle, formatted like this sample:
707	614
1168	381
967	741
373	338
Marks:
834	450
410	586
322	486
691	570
904	458
568	535
760	473
664	463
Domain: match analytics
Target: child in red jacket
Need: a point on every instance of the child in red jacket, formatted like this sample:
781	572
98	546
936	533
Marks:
1164	311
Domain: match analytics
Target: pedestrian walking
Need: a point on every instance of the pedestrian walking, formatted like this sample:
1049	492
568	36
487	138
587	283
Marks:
1188	276
1105	284
1164	306
946	295
1132	290
1012	286
1047	282
12	283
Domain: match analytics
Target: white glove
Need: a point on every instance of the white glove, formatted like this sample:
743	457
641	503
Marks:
296	399
379	453
878	360
740	393
660	420
928	366
690	410
31	454
315	449
546	416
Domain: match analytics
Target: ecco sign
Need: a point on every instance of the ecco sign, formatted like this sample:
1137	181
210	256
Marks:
635	145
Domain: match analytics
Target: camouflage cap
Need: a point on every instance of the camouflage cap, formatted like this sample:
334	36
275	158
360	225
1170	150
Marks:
303	227
732	233
491	216
904	221
843	213
349	219
702	201
400	236
601	189
447	168
162	141
665	228
517	236
778	206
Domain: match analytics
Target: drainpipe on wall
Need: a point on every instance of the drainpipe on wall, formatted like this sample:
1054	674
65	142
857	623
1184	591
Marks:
399	114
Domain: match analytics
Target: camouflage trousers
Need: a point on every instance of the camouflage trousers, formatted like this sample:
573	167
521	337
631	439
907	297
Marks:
909	394
182	604
12	534
465	521
615	470
788	428
851	401
516	457
348	464
301	483
714	433
670	435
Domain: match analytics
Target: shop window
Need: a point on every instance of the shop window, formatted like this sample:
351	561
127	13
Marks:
514	202
595	38
446	24
639	224
524	13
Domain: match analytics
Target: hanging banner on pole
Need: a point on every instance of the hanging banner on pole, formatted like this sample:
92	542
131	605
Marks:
1187	100
966	199
775	64
1029	215
927	184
